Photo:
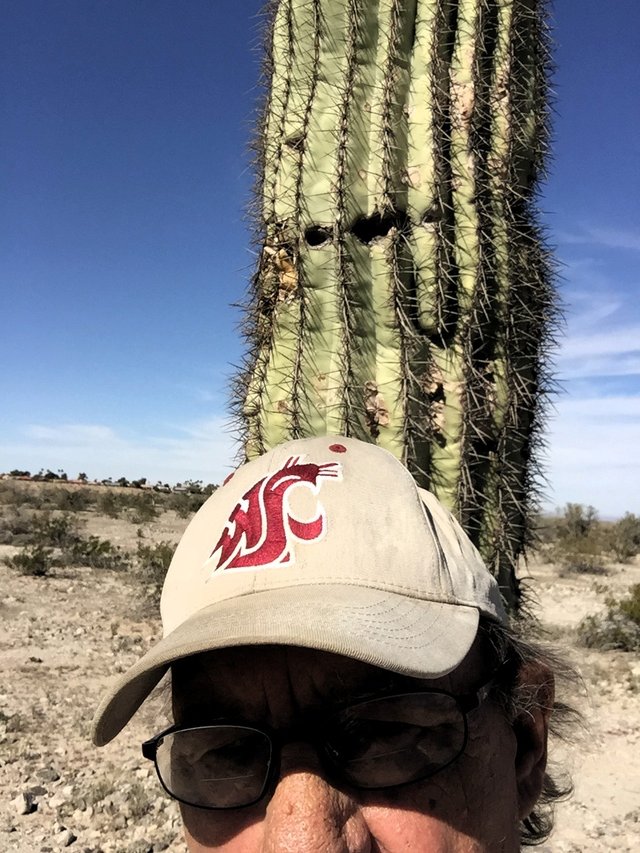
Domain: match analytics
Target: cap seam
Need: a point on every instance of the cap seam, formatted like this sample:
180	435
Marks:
409	591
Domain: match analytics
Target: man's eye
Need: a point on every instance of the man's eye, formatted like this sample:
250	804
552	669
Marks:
227	766
357	738
238	750
218	747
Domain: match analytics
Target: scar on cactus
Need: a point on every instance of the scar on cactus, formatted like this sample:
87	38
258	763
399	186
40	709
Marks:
376	409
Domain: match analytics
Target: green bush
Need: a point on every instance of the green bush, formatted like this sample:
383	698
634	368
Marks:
110	504
97	554
60	531
185	504
36	560
143	508
630	606
153	562
8	493
16	526
617	628
581	563
579	543
624	538
140	506
20	495
72	500
56	541
578	521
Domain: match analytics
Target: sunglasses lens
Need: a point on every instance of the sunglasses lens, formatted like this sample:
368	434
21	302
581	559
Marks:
215	766
396	740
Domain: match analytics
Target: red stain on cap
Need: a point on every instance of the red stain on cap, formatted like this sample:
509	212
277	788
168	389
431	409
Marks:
338	448
228	477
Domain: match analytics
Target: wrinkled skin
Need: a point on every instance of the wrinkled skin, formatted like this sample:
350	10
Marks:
471	807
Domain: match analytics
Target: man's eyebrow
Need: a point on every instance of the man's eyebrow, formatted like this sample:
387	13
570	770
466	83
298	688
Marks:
199	713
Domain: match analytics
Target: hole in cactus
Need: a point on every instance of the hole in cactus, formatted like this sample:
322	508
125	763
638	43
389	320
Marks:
434	214
439	438
436	392
317	235
295	142
370	228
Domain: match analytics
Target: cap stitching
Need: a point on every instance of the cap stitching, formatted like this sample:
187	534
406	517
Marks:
356	581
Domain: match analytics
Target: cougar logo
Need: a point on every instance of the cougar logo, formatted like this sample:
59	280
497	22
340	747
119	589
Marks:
261	530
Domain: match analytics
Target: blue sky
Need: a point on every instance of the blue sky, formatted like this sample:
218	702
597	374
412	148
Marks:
124	238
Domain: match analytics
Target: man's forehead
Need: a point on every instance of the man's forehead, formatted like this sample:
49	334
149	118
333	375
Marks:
254	679
265	681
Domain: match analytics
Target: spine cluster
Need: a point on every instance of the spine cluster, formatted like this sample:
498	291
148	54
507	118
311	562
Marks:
404	294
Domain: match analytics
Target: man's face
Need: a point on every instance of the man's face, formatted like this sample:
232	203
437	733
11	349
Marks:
473	805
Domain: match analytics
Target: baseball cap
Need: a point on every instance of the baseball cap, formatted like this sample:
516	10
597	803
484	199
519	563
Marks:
325	543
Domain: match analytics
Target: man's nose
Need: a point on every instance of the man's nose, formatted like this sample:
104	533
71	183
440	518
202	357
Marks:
307	815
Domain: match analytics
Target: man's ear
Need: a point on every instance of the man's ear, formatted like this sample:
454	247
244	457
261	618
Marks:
531	727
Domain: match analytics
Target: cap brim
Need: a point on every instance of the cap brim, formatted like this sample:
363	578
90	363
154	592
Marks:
418	638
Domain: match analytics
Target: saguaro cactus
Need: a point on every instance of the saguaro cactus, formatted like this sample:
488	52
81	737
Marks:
403	293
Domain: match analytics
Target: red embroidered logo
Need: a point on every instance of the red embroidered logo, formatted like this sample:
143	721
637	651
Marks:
261	529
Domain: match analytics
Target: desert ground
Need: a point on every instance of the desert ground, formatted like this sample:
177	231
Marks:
64	636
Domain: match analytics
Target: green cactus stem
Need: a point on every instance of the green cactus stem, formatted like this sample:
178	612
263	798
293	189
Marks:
404	294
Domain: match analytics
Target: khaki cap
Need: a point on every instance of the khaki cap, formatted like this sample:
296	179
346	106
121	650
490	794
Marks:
325	543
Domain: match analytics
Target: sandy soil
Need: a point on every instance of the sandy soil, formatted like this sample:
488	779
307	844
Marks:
63	637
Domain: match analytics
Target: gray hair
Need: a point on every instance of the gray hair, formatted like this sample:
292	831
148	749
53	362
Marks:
512	656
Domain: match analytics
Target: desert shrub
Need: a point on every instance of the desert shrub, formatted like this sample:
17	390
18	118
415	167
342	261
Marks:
618	627
185	504
60	531
110	504
19	495
143	507
16	526
56	541
72	500
579	544
153	562
630	606
36	560
578	521
96	553
8	493
47	540
583	563
624	538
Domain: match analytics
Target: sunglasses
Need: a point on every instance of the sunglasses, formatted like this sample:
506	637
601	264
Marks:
379	743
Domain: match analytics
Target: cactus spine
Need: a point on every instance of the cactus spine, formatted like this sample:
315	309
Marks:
403	293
